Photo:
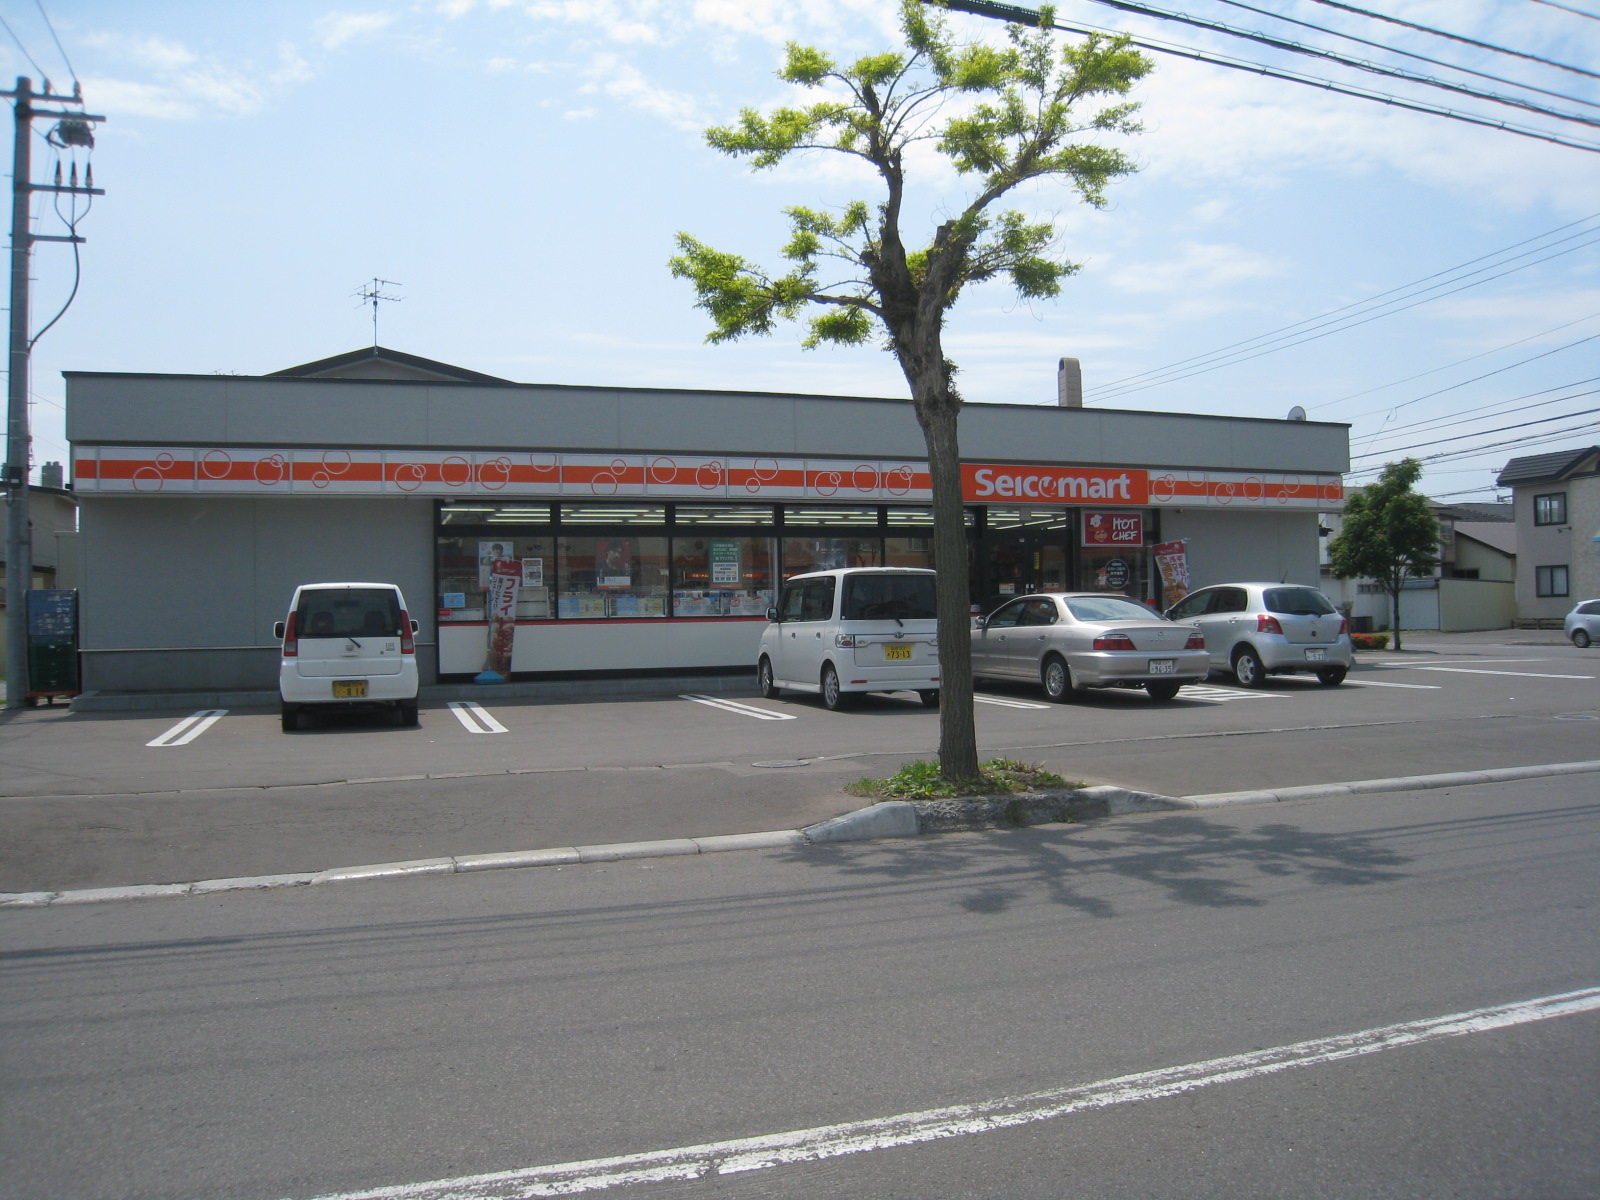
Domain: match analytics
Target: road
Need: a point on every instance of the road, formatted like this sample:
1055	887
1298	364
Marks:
109	799
329	1041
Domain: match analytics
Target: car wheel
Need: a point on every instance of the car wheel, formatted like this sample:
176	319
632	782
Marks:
764	683
1247	668
289	715
1332	676
1165	690
834	697
930	698
408	713
1057	679
1580	638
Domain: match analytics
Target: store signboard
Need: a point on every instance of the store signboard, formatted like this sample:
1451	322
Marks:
1113	528
257	471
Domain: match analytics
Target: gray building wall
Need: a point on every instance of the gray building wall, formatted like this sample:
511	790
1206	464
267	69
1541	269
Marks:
224	573
1229	547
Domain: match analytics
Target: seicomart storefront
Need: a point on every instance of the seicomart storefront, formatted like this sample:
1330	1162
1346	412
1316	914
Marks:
620	529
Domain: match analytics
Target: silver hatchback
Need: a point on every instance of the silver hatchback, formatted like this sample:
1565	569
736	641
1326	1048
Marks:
1258	629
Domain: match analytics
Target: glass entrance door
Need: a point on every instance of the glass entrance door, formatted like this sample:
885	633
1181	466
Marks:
1020	553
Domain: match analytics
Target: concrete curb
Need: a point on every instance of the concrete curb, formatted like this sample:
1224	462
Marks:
889	819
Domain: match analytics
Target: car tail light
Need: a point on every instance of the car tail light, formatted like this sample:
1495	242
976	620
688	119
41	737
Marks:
1114	641
1344	626
1197	641
1266	623
408	642
291	637
845	640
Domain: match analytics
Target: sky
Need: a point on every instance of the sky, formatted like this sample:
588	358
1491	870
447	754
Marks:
516	172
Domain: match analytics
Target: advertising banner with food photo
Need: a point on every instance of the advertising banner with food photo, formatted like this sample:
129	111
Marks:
1173	560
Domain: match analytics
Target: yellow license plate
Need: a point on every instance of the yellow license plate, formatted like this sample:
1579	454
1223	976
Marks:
349	689
896	652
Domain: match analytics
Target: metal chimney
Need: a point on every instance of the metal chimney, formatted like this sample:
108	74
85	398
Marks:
1069	384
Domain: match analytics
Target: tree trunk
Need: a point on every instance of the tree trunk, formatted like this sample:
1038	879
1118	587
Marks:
1394	596
958	737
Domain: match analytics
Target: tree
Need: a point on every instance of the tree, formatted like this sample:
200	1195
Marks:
1000	116
1389	534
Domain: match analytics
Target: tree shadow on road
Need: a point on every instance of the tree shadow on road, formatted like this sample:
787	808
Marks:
1192	859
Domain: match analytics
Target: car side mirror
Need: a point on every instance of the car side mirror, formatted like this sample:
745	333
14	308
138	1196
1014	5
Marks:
415	627
277	630
980	622
772	615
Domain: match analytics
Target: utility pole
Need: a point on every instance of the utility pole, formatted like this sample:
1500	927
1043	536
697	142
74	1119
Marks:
72	129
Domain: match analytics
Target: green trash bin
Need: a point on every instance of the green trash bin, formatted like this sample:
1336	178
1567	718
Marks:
52	644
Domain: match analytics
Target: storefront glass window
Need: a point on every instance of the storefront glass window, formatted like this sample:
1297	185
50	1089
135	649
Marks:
611	576
613	514
801	554
1115	569
722	576
723	514
494	514
908	552
464	565
816	514
1031	518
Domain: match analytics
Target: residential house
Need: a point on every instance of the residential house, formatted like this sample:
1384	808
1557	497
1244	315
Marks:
1557	501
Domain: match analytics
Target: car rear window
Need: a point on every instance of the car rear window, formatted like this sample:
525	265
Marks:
350	612
1297	601
886	597
1109	608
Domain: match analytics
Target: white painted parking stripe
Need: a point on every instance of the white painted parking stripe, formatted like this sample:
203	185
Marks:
474	718
191	727
1517	674
1006	703
1430	687
1205	691
744	710
762	1152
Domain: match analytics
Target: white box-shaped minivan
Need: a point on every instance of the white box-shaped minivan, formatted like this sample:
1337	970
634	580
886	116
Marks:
856	629
347	645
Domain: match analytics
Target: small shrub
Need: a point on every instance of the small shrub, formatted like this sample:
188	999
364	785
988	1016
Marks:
921	781
1370	641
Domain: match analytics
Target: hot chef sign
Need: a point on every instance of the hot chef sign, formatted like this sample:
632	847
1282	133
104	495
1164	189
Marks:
1113	529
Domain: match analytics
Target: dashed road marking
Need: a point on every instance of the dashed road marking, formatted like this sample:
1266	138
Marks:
765	1151
743	710
475	718
191	727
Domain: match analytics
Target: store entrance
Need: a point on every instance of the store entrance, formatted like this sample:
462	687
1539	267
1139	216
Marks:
1015	562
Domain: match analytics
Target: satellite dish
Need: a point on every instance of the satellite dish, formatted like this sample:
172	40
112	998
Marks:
1297	413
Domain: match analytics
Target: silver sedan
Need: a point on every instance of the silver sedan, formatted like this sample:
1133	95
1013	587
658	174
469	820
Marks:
1070	642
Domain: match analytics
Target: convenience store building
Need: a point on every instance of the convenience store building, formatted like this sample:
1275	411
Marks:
646	529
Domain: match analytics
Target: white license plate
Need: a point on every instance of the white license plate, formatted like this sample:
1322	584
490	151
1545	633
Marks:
1163	666
896	652
349	689
1316	656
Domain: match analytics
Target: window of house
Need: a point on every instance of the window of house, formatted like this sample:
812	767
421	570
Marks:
1550	509
1550	581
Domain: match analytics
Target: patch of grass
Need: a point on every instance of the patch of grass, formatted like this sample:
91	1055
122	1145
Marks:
921	781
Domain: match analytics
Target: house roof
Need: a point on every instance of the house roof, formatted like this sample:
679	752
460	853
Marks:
1548	468
1476	512
377	362
1497	535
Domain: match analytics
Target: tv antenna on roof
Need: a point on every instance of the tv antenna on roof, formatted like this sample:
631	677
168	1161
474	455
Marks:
373	292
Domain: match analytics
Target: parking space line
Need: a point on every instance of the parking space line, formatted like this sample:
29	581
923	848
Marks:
1007	703
191	727
1204	691
744	710
474	718
1431	687
1517	674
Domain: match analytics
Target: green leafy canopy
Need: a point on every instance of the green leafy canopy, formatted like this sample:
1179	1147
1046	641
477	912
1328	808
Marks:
1389	533
1001	115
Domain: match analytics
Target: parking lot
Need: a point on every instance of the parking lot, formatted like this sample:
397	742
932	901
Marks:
169	795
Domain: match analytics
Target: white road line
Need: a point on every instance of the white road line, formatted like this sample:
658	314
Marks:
832	1141
191	727
744	710
1517	674
1007	703
475	718
1203	691
1430	687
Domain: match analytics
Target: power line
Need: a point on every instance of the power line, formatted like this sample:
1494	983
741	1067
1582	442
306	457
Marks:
1570	9
1484	410
24	49
56	40
1406	53
1319	331
1554	435
1461	437
1455	37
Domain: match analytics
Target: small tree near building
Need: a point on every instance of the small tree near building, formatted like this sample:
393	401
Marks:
1389	535
1000	116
